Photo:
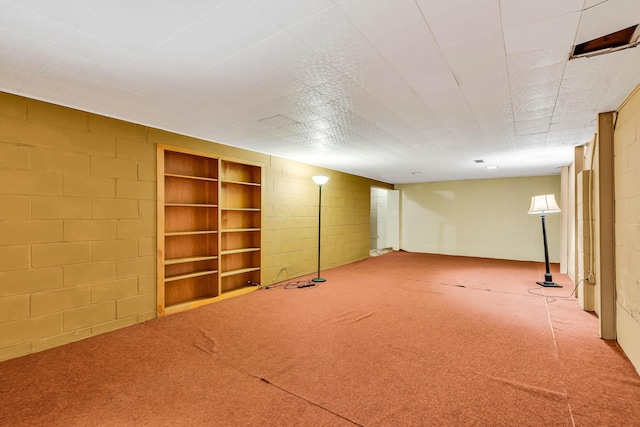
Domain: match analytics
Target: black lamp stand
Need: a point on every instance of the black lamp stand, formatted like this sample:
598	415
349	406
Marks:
319	279
548	280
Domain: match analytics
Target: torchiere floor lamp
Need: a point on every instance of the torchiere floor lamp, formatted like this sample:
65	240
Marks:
543	205
320	180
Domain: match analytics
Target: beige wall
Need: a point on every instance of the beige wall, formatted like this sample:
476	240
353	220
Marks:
627	226
482	218
78	221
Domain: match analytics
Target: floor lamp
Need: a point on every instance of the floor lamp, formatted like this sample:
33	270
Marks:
320	180
543	205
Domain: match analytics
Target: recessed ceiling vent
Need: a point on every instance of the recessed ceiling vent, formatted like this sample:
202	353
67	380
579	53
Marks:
623	39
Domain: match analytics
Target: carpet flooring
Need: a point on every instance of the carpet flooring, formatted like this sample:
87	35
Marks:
400	339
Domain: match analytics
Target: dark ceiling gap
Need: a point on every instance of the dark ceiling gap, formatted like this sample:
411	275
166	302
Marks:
613	42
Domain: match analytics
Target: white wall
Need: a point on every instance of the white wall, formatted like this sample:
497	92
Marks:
483	218
393	219
378	222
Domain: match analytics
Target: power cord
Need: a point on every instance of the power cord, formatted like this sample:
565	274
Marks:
299	284
552	298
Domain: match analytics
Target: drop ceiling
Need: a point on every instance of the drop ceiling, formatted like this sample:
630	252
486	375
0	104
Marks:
397	90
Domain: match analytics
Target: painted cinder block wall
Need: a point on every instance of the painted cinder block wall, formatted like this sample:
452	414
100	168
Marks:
78	221
627	226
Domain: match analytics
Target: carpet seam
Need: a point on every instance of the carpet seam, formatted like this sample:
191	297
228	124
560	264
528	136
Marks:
557	357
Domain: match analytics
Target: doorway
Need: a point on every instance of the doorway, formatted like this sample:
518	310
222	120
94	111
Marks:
385	220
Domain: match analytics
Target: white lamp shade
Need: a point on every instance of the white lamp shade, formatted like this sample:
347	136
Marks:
543	204
320	180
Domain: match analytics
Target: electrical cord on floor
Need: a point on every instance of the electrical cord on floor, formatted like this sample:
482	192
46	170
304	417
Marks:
552	298
299	284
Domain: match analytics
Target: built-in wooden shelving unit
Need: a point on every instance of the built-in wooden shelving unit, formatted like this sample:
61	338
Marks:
209	228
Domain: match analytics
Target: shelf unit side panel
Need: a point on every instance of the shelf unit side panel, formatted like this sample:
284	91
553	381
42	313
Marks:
160	253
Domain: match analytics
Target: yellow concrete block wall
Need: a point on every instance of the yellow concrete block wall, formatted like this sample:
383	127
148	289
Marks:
74	233
627	226
78	221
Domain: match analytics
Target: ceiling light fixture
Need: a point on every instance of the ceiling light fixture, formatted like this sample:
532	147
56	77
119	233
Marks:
492	167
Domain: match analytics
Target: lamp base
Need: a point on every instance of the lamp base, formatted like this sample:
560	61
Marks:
318	279
549	284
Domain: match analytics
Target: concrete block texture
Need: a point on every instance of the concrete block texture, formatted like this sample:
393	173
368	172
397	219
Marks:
78	222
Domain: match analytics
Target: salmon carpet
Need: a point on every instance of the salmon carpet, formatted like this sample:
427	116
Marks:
401	339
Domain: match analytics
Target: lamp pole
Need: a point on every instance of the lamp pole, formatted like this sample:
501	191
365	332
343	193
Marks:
320	180
548	280
542	205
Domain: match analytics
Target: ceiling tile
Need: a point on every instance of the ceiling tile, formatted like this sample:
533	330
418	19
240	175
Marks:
396	43
461	20
380	16
518	12
525	61
138	30
425	72
622	84
327	32
188	51
68	12
291	12
542	35
14	18
606	18
477	59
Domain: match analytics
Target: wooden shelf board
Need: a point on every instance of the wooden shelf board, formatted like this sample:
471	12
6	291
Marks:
242	209
238	230
238	251
239	271
191	205
199	302
227	181
201	178
189	275
189	259
189	233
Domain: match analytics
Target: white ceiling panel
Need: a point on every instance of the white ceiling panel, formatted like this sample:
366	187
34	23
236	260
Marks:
477	59
205	41
143	24
367	15
542	35
291	12
462	20
608	17
14	18
406	41
71	13
381	89
518	12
